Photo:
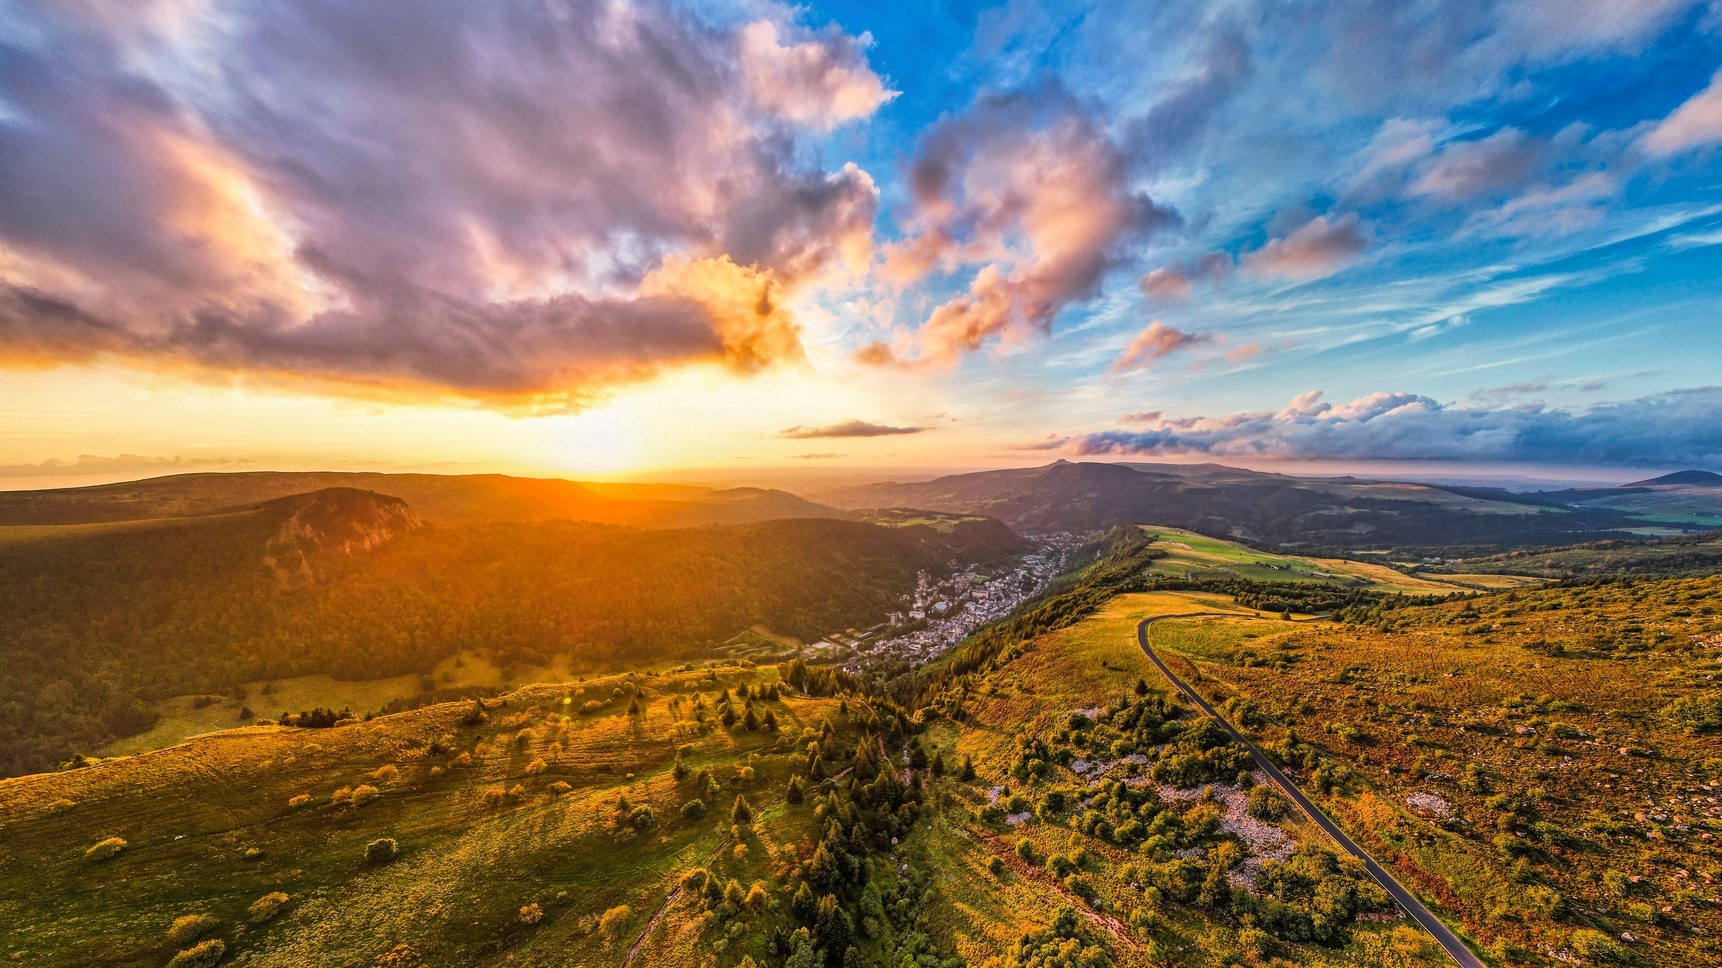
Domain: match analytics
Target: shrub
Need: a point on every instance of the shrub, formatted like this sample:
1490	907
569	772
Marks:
996	867
189	928
385	773
693	809
265	907
382	850
531	913
201	955
612	920
105	849
1265	804
298	801
1597	948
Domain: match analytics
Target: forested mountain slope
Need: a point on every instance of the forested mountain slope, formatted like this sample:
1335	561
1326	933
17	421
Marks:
99	619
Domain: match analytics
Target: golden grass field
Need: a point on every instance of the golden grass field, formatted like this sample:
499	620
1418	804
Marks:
1538	719
1087	665
1200	556
483	831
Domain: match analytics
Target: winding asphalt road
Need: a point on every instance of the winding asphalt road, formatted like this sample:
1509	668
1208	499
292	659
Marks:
1455	948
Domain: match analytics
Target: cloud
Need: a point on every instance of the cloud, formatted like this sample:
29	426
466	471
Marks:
1156	342
847	428
1499	396
816	456
1400	144
1049	442
1453	322
517	203
1178	282
822	81
1140	417
1577	205
1320	247
1031	189
92	465
1675	428
1694	124
1372	53
1183	111
1465	169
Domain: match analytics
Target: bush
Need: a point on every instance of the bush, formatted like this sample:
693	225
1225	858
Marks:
189	928
105	849
1265	804
612	920
265	907
693	810
531	913
201	955
382	850
1597	948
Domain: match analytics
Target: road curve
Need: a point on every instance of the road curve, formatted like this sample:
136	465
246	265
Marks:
1449	941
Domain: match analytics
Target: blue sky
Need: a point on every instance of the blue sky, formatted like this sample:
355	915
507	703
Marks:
1260	232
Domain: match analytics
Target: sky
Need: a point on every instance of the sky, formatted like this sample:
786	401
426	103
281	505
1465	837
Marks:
631	237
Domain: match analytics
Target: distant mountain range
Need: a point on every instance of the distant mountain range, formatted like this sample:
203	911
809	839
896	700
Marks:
1692	498
463	499
1262	508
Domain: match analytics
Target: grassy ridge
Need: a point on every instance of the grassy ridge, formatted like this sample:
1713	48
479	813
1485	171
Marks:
489	818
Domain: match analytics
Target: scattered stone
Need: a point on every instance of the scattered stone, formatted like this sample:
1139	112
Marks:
1429	802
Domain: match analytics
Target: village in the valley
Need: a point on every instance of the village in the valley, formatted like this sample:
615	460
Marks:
941	613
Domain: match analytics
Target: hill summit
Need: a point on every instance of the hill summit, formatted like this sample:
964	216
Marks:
334	520
1699	478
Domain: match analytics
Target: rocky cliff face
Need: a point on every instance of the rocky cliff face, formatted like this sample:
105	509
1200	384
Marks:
334	521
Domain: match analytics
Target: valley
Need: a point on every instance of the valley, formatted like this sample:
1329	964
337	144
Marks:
685	764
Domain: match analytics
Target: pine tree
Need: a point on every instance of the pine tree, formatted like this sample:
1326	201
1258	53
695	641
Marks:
742	814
